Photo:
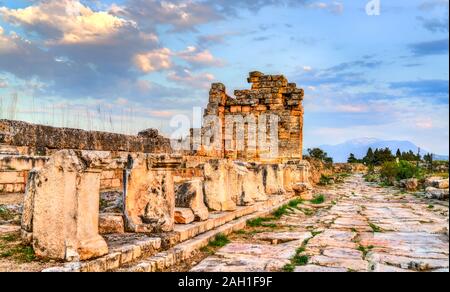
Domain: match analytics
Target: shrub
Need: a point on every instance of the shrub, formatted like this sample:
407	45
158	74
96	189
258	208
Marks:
393	171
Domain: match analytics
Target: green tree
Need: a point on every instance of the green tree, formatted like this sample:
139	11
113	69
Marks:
369	158
320	154
352	159
398	154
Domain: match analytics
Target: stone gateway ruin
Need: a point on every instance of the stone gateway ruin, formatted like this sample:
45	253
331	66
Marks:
100	201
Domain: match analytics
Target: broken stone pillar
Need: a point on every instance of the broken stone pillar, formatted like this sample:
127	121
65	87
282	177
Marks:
61	208
273	176
190	195
296	171
149	193
252	183
219	187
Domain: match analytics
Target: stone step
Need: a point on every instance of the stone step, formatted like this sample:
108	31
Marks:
187	249
180	244
8	150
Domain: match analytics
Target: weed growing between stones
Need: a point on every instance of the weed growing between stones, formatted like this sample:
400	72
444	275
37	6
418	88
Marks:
318	200
294	203
365	250
219	241
375	228
261	222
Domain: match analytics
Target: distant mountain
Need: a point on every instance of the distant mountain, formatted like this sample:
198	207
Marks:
359	147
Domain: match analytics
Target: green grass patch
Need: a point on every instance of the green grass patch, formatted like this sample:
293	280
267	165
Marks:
219	241
289	268
375	228
20	253
318	200
315	233
365	250
261	222
294	203
300	260
283	210
430	207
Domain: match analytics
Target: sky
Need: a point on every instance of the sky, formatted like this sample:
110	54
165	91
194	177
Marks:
126	65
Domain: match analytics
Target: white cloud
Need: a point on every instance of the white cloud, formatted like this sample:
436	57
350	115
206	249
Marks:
67	22
155	60
186	77
199	58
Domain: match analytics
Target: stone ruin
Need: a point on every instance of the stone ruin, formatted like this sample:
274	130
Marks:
159	188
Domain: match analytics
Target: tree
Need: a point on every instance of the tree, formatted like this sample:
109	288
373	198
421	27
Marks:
369	158
398	154
428	158
352	159
320	154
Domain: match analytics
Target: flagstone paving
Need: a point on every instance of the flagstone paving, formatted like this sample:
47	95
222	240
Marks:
361	227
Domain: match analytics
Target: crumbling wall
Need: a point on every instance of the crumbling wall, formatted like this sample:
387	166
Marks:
43	140
269	95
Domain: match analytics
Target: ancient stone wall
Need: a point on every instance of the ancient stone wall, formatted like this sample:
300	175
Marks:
43	140
269	95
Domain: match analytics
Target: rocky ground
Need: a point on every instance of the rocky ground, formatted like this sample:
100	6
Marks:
360	227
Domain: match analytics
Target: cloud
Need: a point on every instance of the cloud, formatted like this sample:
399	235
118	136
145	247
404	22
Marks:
155	60
427	48
433	4
181	15
334	7
341	75
426	88
186	77
435	24
67	22
199	58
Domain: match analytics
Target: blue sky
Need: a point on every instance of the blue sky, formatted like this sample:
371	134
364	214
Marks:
130	64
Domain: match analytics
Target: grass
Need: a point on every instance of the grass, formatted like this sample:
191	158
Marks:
18	252
219	241
315	233
365	250
300	260
375	228
289	268
283	210
318	200
294	203
261	222
430	207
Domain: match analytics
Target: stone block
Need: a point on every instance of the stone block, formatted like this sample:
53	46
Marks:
111	223
184	216
61	207
190	195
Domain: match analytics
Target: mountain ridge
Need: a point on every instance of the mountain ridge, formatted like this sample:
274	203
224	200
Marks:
359	146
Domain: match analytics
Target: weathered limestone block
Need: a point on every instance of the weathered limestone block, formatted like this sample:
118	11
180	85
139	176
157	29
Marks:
252	182
184	216
411	184
437	182
219	186
435	193
149	194
111	223
296	171
273	177
304	191
61	207
190	195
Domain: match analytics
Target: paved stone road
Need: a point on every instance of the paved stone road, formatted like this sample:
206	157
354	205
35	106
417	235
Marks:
360	228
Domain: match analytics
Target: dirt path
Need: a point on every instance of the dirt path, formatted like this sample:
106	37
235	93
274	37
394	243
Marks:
361	227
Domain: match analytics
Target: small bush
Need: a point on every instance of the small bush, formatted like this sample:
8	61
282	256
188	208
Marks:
289	268
393	171
325	180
